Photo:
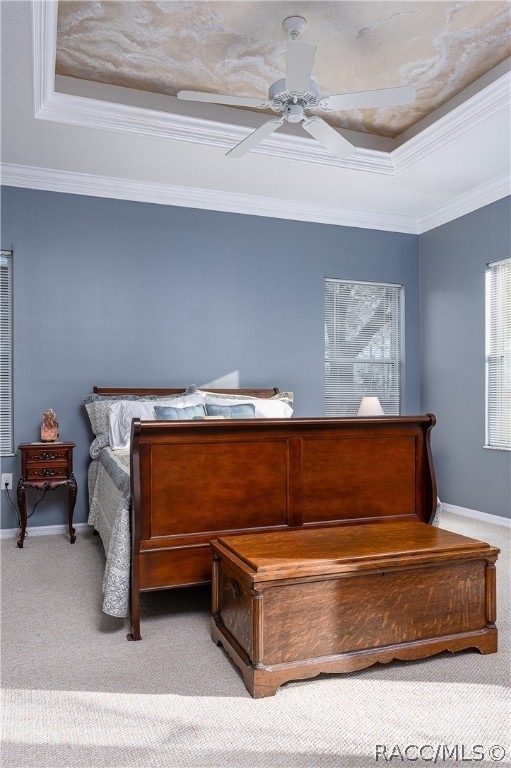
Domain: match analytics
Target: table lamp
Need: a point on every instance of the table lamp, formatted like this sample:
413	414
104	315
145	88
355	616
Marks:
370	406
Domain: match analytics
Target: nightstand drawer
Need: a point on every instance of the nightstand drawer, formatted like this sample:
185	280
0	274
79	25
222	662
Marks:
41	472
48	455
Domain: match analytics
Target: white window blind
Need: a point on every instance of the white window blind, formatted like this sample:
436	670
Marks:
498	355
6	373
362	346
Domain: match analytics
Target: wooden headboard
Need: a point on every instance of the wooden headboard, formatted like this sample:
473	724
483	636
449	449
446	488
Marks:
162	391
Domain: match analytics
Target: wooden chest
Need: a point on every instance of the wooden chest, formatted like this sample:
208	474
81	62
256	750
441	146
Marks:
293	604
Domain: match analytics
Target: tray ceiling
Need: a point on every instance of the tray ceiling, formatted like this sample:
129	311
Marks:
239	48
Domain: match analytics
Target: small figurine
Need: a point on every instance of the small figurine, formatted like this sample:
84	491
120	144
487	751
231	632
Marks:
49	427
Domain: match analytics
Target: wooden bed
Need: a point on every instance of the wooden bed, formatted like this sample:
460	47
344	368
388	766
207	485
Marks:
196	481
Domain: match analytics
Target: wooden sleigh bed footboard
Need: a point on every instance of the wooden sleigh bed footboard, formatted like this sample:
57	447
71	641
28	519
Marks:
195	481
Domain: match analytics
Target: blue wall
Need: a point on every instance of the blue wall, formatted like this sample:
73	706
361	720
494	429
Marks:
112	293
452	269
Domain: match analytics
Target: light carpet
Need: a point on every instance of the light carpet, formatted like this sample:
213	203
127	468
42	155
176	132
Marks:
76	693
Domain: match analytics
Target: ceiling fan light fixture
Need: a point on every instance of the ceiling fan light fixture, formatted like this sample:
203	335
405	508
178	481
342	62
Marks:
294	113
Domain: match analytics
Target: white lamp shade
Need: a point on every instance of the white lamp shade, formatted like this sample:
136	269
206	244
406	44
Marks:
370	406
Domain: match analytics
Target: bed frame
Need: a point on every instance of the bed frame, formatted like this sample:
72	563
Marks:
196	481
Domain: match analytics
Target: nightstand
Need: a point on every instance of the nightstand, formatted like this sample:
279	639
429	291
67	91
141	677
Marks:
46	466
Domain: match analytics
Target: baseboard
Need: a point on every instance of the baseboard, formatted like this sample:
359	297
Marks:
53	530
476	515
44	530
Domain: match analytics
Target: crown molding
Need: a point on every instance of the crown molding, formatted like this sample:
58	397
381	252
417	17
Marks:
209	199
466	203
187	197
496	96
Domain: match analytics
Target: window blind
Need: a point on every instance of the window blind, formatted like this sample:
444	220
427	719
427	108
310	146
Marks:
362	345
6	363
498	355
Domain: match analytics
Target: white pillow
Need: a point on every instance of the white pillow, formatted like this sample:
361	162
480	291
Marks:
264	409
121	413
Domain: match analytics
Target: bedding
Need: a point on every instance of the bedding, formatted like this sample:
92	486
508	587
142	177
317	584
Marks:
111	415
122	412
275	408
109	511
235	411
168	413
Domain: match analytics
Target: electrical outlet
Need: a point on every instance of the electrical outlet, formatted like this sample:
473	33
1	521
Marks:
6	481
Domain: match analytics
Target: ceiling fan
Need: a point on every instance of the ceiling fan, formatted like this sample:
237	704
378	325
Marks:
297	94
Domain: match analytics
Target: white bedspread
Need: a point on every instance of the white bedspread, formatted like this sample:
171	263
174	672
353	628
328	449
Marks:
109	510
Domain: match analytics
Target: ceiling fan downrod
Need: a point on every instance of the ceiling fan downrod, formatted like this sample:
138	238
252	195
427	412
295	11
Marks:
294	26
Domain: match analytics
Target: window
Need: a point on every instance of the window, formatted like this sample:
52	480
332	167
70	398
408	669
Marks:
6	388
498	355
362	346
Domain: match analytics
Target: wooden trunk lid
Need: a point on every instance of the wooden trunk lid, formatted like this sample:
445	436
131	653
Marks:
337	549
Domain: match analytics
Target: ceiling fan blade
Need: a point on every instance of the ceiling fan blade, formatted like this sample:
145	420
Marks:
299	62
322	132
222	98
386	97
254	138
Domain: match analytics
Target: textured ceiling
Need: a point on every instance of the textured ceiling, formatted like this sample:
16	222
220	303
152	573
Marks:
239	48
